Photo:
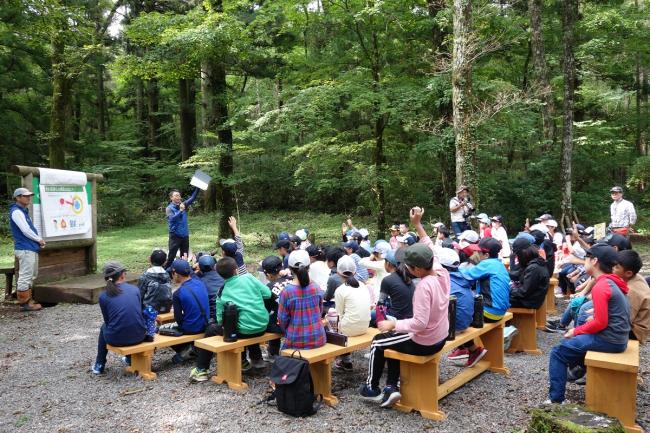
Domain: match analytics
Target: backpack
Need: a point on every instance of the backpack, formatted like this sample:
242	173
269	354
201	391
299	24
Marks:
294	388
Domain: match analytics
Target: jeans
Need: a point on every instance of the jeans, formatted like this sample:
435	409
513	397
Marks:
177	243
563	281
27	269
401	343
581	317
459	227
570	353
102	351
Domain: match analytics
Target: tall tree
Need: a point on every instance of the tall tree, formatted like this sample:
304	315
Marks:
60	87
186	98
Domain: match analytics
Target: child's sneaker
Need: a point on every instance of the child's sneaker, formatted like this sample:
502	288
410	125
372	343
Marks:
245	365
390	397
343	365
509	333
97	368
126	360
198	375
555	326
371	394
259	363
459	356
475	356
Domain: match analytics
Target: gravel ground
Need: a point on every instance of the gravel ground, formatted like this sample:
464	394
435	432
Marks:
46	384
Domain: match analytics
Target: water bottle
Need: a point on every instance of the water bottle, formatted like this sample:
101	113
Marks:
229	321
333	319
477	319
452	318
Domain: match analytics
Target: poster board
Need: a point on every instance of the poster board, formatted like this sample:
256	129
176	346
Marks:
600	230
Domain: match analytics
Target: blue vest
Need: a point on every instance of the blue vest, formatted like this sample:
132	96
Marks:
22	242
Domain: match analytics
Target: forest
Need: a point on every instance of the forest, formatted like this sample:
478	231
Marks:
358	107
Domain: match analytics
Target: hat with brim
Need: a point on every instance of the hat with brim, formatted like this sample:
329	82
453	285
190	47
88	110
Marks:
112	269
604	253
418	256
616	189
282	243
544	217
181	267
391	258
462	188
22	192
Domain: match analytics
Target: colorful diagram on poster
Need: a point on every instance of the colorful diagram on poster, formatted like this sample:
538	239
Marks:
65	210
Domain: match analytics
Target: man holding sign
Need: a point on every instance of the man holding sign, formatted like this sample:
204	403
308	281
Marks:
179	231
27	244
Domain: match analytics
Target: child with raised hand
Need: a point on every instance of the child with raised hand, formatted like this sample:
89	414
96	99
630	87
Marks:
234	247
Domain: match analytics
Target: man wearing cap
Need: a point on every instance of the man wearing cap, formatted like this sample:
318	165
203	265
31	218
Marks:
460	208
179	231
27	244
607	332
622	212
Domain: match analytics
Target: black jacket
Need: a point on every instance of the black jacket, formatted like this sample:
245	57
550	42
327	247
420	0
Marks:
156	289
531	293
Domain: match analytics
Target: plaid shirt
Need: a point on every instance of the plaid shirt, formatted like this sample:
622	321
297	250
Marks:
299	315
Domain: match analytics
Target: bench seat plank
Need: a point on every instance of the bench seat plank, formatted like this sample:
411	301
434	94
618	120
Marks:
627	361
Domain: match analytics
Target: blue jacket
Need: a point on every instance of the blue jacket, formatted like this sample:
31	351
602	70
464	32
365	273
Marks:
461	288
187	312
493	283
214	283
123	321
22	242
177	219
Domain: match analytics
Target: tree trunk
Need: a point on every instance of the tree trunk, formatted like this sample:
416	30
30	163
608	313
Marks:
141	116
569	17
76	126
461	79
541	71
379	160
101	102
187	92
153	97
60	96
437	34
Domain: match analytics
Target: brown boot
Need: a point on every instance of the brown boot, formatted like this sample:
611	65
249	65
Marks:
26	302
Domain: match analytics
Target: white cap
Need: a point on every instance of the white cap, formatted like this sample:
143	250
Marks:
302	234
469	235
541	227
364	233
22	191
345	265
438	225
382	247
402	238
299	258
579	252
226	241
551	223
448	257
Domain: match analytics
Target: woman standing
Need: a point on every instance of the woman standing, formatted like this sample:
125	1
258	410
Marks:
499	233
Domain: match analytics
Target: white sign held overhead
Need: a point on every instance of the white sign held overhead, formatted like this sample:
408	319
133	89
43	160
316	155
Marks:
200	180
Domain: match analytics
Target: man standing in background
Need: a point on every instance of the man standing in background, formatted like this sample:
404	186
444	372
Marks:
179	231
622	212
460	209
27	244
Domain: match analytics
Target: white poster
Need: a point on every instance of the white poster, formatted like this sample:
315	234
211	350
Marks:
64	210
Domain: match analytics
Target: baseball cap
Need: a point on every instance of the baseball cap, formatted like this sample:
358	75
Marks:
228	245
579	252
295	239
490	245
353	245
538	235
393	228
391	258
22	191
544	217
299	258
604	253
520	244
410	240
552	223
448	258
525	235
497	218
158	257
381	247
346	266
619	241
283	236
462	188
469	236
418	256
313	251
206	263
483	217
616	189
438	225
302	234
364	233
112	269
181	267
272	264
282	243
540	227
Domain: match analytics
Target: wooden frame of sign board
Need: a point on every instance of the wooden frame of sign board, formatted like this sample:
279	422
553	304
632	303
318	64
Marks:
63	259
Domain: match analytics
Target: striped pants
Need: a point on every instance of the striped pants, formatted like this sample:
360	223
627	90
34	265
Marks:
401	343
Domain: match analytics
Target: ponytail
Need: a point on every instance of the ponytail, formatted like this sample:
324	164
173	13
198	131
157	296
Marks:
111	288
302	273
403	274
351	281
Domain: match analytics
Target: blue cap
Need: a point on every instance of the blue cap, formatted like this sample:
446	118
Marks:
181	267
410	240
229	246
206	263
390	258
284	236
353	245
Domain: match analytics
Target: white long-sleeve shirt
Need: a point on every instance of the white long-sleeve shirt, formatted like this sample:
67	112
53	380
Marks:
19	219
623	213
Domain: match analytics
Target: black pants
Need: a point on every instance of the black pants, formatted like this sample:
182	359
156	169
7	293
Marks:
177	243
401	343
205	356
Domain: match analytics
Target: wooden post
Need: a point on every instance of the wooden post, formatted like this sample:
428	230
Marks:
141	365
493	342
526	339
419	383
540	316
321	374
229	369
550	296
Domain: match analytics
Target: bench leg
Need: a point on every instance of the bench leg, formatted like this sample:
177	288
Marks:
229	369
620	399
540	317
141	365
321	375
493	342
526	338
550	297
419	388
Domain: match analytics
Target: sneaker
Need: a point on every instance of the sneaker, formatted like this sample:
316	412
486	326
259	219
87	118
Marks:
198	375
582	381
366	355
259	363
509	333
245	365
97	368
343	365
370	394
475	356
390	397
126	360
576	373
459	354
555	326
556	402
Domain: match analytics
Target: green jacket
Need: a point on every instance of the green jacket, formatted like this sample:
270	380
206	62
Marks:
248	293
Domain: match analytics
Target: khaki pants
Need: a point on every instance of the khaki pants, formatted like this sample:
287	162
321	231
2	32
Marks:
27	269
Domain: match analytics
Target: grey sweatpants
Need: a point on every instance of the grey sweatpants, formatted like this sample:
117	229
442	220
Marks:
27	269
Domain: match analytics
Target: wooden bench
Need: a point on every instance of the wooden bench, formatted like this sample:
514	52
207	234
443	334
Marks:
9	280
611	384
163	318
142	353
540	317
525	320
550	296
229	357
419	375
320	361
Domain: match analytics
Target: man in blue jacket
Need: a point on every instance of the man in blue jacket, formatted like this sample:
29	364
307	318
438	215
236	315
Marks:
27	244
179	231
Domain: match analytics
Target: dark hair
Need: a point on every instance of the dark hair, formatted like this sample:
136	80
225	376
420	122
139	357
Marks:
111	288
227	267
630	261
172	191
403	274
158	257
302	273
333	254
527	254
444	231
351	281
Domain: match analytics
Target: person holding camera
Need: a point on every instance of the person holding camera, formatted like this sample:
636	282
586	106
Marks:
460	210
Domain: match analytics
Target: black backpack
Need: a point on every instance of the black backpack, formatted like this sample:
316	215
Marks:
294	388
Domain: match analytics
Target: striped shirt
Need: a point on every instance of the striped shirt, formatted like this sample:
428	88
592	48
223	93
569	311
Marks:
299	314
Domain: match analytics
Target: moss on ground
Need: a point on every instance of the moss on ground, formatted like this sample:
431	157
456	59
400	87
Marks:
571	419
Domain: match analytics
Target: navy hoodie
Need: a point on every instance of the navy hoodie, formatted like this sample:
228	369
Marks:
123	321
